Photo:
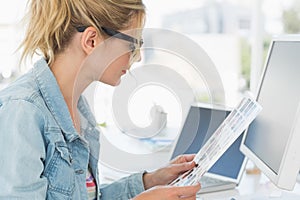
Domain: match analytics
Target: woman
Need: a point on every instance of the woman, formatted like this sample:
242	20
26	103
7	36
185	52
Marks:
49	141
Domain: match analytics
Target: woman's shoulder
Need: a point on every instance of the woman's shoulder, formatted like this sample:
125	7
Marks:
22	89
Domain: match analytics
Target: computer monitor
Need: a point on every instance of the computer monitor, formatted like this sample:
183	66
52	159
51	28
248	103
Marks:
272	141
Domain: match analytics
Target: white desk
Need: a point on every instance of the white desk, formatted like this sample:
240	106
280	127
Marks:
252	187
130	154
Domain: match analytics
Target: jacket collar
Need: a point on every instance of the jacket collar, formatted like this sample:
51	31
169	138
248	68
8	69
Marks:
54	99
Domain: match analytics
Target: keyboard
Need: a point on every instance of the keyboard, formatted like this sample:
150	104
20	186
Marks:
209	181
209	184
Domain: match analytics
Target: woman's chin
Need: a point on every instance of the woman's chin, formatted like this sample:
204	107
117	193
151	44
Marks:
116	83
111	83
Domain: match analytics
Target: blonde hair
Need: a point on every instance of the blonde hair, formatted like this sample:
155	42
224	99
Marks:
52	23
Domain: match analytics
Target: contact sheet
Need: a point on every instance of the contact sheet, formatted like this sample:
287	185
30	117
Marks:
230	129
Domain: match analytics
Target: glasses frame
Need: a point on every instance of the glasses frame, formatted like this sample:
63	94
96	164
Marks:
116	34
135	43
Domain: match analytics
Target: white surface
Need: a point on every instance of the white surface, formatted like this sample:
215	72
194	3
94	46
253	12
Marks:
252	187
127	154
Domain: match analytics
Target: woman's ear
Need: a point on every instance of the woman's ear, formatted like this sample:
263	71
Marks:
90	39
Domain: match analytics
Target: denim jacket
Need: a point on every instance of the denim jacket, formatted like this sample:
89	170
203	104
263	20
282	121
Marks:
41	154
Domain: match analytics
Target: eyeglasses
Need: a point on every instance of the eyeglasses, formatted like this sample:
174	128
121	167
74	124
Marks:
135	44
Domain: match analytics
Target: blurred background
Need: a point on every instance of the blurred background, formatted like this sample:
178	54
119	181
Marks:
235	34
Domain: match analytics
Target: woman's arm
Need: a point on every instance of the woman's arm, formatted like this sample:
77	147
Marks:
21	151
123	189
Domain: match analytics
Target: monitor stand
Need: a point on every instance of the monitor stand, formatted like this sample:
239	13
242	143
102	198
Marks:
298	177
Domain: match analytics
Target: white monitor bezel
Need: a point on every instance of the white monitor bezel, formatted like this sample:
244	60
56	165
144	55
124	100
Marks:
287	168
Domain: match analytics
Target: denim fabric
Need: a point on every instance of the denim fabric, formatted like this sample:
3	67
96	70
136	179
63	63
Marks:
41	154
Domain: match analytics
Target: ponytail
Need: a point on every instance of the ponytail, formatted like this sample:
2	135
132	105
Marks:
52	23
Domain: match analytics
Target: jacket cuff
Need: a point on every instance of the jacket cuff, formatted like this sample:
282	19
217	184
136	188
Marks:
136	183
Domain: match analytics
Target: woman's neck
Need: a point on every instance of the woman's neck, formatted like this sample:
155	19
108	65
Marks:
66	70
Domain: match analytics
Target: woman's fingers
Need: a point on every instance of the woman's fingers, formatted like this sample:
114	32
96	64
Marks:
183	158
189	198
188	191
180	168
170	193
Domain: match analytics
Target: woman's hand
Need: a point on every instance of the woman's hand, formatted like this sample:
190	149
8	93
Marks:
166	175
169	193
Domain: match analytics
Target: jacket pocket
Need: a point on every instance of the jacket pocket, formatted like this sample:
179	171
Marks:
60	173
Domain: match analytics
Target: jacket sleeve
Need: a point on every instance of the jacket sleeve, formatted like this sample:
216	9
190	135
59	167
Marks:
123	189
22	151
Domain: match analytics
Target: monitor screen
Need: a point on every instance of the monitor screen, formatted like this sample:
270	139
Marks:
203	122
268	137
